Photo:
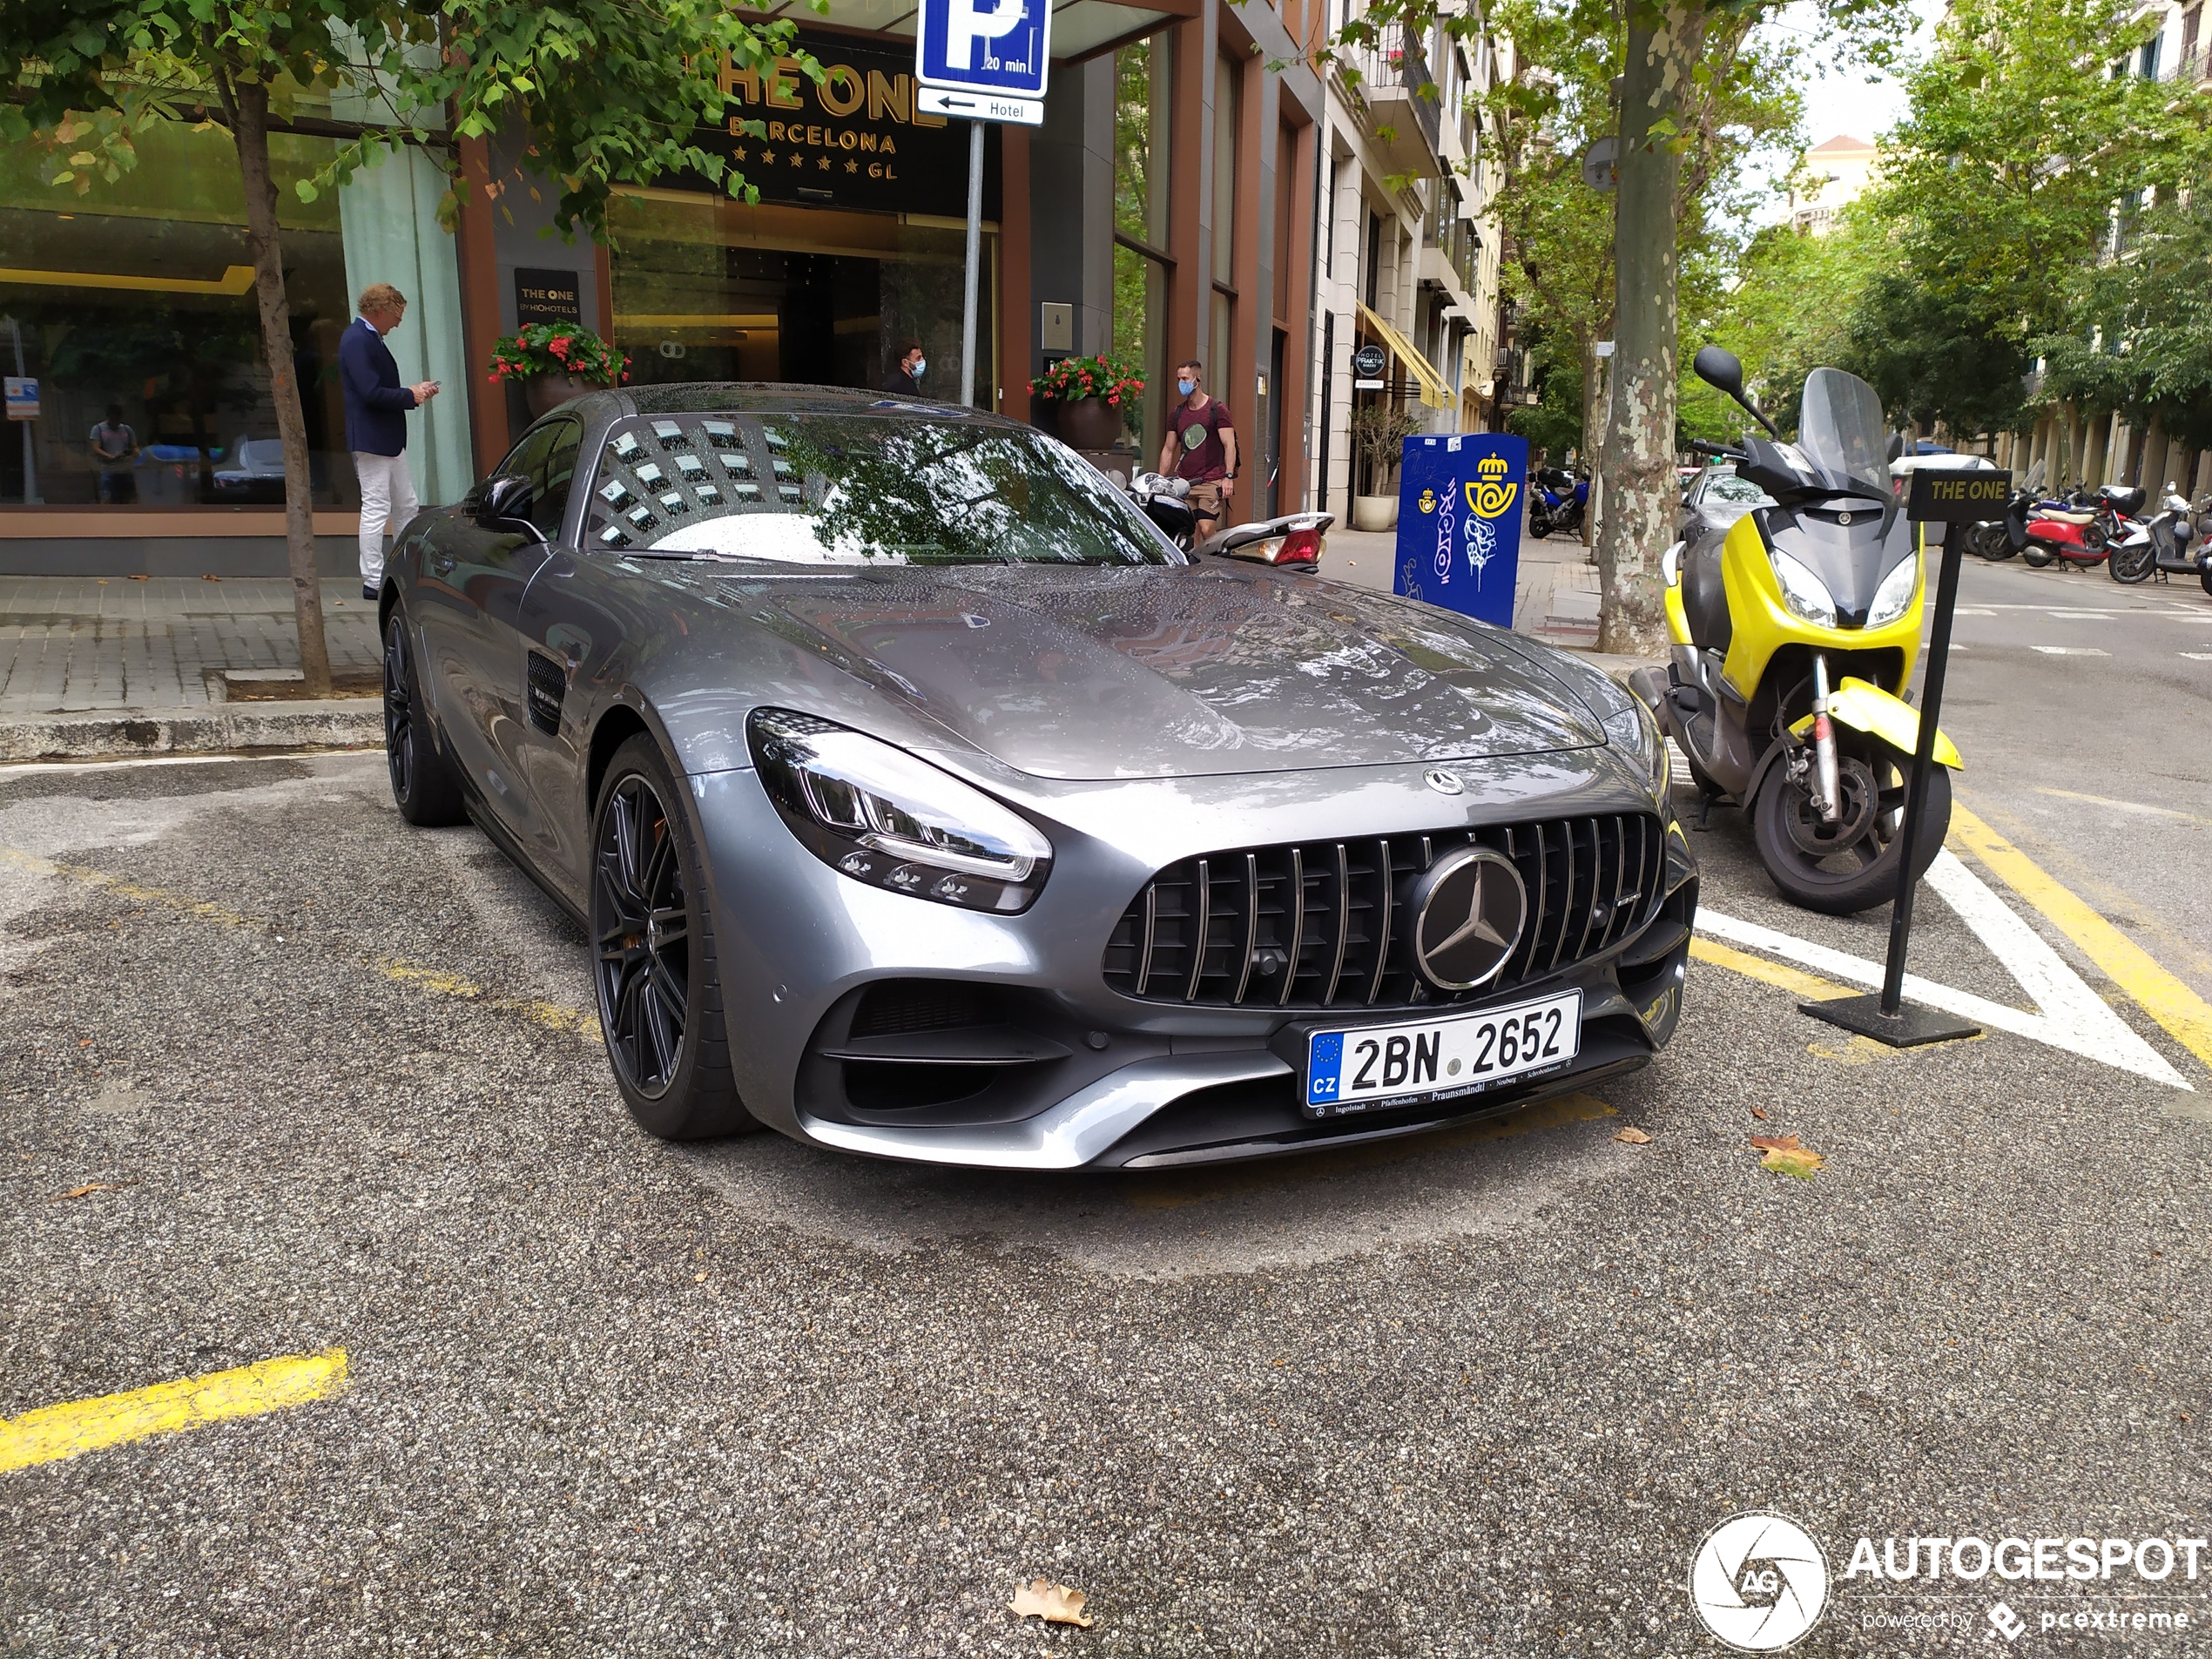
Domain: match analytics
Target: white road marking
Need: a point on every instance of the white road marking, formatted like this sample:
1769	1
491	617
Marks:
2070	651
2070	1015
2198	655
2121	805
1971	610
2081	616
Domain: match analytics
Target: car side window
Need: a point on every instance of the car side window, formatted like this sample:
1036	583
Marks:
553	474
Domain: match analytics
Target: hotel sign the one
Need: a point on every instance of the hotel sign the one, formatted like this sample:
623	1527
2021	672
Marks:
859	139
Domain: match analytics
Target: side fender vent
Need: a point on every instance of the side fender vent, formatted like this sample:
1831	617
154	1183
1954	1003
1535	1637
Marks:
548	685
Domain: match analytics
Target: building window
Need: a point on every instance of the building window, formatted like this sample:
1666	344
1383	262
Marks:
1143	103
1227	123
134	304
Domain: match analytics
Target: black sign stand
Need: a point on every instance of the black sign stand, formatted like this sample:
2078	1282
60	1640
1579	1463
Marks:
1954	500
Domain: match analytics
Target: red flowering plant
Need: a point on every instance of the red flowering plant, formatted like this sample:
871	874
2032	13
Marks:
1074	378
558	348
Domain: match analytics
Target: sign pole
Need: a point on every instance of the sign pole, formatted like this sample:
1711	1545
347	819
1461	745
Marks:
975	262
1953	500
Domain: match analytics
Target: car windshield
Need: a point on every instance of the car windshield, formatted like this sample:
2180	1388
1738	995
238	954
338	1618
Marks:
1840	430
1722	485
856	489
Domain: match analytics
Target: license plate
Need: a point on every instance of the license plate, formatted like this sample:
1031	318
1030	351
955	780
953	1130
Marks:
1370	1066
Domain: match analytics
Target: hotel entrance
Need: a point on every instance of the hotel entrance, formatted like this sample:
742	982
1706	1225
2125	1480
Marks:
705	289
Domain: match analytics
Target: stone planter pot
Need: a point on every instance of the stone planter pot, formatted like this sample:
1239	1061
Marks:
546	393
1375	512
1087	423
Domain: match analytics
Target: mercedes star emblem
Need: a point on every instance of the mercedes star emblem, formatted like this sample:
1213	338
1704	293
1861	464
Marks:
1443	781
1469	911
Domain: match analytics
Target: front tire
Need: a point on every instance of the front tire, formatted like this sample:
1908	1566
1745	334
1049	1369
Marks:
2131	564
1842	870
655	971
425	788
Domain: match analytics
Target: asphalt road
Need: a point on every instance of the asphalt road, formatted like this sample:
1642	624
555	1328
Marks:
1482	1394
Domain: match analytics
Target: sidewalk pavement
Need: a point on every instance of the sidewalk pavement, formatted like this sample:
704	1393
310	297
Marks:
92	665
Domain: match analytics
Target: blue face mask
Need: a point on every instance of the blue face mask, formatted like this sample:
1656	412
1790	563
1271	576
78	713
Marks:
1186	386
920	363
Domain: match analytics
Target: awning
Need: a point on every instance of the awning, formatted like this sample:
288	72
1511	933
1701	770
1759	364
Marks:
1434	392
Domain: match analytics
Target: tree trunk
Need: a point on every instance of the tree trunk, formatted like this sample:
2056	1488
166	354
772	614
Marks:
1663	43
250	128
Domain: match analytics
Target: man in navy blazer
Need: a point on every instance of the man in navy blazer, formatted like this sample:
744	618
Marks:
376	406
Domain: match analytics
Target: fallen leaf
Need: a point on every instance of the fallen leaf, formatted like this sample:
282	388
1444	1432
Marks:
698	1279
1055	1603
90	1187
1757	1113
1783	1155
1634	1137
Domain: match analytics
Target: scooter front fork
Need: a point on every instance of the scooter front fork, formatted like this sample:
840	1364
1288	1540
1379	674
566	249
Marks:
1825	792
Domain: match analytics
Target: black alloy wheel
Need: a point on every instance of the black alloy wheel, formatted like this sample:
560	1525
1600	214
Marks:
2133	561
1849	864
654	967
424	786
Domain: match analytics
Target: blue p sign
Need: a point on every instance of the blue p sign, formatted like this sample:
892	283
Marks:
983	45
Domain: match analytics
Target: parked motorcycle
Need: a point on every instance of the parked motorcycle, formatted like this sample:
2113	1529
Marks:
1794	627
2170	541
1293	539
1557	500
2080	531
1166	502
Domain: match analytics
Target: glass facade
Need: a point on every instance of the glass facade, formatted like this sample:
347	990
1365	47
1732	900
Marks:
705	289
133	307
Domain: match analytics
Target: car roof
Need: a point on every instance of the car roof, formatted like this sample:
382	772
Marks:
764	397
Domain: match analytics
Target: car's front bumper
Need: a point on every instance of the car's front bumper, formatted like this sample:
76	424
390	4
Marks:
1075	1074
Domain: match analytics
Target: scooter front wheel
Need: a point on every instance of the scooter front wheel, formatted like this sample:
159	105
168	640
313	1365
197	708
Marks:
1849	864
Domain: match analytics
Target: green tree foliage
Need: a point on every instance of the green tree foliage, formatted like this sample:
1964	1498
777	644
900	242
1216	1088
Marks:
2141	334
2001	181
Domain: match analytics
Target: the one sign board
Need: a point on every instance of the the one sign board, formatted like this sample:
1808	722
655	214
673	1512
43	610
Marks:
983	62
23	398
1460	500
1954	495
547	296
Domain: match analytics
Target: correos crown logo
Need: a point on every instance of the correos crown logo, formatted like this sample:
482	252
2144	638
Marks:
1490	496
1759	1581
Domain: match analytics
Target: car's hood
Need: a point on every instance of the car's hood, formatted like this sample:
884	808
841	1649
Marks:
1156	673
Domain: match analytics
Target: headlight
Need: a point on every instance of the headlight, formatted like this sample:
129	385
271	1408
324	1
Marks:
880	816
1895	593
1807	594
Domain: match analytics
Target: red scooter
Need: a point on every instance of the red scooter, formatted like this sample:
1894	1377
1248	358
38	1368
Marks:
2081	532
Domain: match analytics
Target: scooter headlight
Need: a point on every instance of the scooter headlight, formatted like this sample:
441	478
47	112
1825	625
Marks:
1895	593
1806	593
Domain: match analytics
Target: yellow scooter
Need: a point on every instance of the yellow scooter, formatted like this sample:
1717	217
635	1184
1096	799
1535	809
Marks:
1793	603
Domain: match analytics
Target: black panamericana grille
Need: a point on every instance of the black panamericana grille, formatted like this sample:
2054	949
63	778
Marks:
1325	924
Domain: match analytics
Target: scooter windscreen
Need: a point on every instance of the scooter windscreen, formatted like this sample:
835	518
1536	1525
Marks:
1840	432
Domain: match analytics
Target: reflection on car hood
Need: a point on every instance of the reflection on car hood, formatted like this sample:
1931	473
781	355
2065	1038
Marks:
1159	673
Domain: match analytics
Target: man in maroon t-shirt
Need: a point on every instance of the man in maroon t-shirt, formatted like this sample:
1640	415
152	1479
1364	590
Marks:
1201	447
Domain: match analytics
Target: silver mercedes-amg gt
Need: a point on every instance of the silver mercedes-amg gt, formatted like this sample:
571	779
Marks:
920	800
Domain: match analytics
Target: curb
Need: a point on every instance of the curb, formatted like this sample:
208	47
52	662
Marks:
339	723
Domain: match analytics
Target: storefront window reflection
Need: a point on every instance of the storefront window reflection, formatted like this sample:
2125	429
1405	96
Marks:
710	289
134	305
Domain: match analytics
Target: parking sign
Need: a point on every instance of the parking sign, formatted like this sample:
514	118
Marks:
983	60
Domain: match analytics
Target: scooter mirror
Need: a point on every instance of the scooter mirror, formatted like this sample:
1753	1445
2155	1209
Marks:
1897	445
1721	369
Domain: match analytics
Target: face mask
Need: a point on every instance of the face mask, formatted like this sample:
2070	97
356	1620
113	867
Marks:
1186	386
921	364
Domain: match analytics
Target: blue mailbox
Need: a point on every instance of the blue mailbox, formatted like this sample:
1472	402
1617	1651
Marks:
1460	500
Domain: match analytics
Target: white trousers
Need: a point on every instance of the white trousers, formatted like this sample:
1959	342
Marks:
387	497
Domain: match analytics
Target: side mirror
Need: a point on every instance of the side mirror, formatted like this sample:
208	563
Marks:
1897	445
1722	370
504	499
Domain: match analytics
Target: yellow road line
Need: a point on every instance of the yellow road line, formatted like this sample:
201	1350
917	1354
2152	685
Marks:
1174	1190
55	1432
2165	998
1809	986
